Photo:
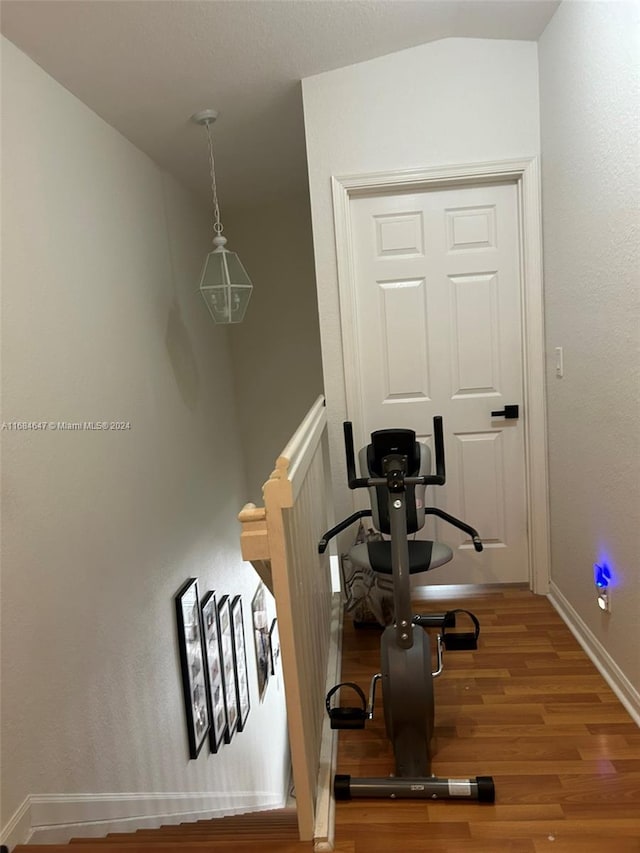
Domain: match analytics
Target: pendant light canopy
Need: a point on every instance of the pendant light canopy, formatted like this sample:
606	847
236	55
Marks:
224	284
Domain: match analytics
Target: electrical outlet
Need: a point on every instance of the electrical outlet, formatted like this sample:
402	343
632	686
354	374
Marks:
604	600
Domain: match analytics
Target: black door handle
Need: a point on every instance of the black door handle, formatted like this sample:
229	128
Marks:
509	412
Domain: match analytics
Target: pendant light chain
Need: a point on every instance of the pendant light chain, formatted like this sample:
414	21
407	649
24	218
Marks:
217	225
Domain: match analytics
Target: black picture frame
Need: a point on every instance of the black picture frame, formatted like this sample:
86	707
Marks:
240	659
274	646
213	669
260	621
228	667
194	683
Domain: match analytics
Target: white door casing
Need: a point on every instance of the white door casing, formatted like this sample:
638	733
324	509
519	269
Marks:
505	460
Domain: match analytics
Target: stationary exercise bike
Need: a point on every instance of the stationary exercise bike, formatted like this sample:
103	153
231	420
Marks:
397	470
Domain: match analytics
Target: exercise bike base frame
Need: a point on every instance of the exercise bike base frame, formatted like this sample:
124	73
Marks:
480	788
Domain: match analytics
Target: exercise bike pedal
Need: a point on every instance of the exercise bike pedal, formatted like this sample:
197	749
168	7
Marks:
460	642
347	718
463	640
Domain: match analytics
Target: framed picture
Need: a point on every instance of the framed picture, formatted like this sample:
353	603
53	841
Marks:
240	658
261	638
228	667
194	683
274	646
213	669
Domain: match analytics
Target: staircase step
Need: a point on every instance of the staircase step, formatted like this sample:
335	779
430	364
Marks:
269	817
203	835
284	823
271	825
162	836
218	846
273	831
221	846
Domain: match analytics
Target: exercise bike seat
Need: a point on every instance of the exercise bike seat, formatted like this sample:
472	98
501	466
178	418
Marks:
376	555
423	555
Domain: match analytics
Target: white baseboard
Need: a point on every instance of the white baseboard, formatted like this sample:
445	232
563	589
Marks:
602	660
18	830
56	818
324	830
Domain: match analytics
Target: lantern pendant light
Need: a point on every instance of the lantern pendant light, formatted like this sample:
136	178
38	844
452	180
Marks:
224	283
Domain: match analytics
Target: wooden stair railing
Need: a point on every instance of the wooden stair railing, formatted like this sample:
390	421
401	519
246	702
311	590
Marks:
254	541
281	540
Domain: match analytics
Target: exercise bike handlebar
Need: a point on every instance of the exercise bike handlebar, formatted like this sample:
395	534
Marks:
437	479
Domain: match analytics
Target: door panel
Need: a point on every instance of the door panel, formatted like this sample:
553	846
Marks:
482	484
405	373
474	334
438	331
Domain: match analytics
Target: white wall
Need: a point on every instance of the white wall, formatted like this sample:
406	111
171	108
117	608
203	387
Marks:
276	350
101	321
589	97
455	101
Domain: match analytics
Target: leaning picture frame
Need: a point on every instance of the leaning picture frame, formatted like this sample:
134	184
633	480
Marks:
260	622
240	660
213	669
194	684
274	646
228	667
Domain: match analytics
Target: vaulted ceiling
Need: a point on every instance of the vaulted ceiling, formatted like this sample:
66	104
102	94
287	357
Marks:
145	66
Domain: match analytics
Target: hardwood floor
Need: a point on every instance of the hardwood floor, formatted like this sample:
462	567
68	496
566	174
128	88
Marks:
528	708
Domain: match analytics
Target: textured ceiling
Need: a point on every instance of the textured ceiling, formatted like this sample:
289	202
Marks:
146	65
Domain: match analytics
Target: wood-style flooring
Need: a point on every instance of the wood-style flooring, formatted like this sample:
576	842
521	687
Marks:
528	708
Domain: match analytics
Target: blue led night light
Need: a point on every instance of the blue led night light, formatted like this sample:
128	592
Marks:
604	579
602	575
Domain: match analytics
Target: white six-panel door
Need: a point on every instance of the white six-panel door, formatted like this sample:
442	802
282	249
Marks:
438	329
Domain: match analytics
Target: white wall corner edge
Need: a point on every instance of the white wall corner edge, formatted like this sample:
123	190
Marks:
56	818
600	657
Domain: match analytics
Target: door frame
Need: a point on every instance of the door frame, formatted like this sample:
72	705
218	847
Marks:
524	173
